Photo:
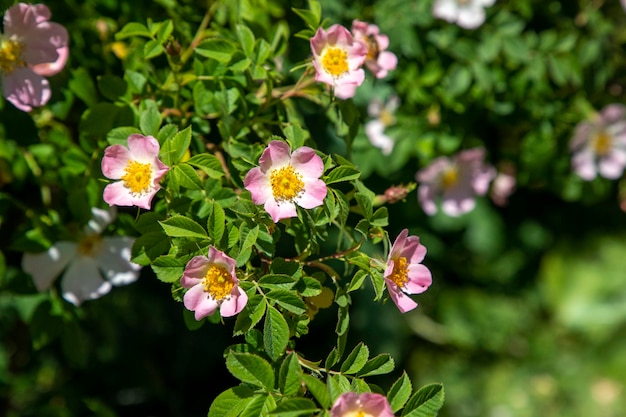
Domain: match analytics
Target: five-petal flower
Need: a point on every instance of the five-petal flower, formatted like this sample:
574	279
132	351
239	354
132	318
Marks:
404	273
367	404
212	284
378	59
86	262
284	179
137	167
31	48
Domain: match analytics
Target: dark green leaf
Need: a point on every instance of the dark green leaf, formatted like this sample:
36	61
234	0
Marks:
180	226
275	333
251	369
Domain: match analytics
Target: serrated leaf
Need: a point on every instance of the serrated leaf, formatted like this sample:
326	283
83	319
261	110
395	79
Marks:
356	359
150	120
218	49
216	224
289	300
207	163
294	407
251	368
400	392
180	226
275	333
174	148
378	365
119	135
152	49
133	29
251	314
251	237
290	376
255	406
318	389
168	268
341	174
426	402
185	176
230	402
337	385
276	281
357	280
246	38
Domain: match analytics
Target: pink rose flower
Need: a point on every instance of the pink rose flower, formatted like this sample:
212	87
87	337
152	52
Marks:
137	167
212	284
599	145
377	60
31	48
351	404
404	272
337	59
468	14
384	117
285	179
503	185
457	181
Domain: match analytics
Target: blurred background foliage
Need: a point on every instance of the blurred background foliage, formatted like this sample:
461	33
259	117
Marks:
527	313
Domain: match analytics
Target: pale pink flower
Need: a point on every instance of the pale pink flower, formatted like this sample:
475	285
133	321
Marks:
351	404
468	14
377	60
212	284
404	273
337	59
623	4
599	145
31	48
503	185
92	265
137	167
285	179
384	117
457	181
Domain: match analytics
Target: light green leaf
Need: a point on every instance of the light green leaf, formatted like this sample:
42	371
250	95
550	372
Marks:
251	369
337	385
294	407
216	224
207	163
426	402
400	392
290	375
220	50
185	176
356	359
289	300
168	268
180	226
318	389
172	150
230	402
133	29
246	38
341	174
275	333
150	120
119	135
378	365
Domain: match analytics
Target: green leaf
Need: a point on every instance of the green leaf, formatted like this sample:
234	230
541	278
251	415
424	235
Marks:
111	87
275	333
289	300
149	246
318	389
168	268
290	375
378	365
133	29
295	136
426	402
207	163
152	49
82	85
216	224
332	358
255	406
380	217
251	237
294	407
400	392
276	281
218	49
173	149
337	385
246	38
356	359
251	369
119	135
251	314
150	120
309	287
357	280
230	402
186	176
341	174
180	226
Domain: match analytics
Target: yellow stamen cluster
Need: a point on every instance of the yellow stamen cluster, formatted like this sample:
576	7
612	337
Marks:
90	245
335	61
450	177
400	274
286	183
11	55
357	414
218	282
602	143
137	177
386	117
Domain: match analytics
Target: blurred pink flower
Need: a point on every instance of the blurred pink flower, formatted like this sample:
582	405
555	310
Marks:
92	265
137	167
384	117
457	181
212	284
377	60
351	404
503	185
468	14
599	145
404	272
284	179
337	59
31	48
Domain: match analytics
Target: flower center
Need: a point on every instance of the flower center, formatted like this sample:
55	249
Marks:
450	177
357	414
286	183
602	143
386	117
218	282
400	274
90	245
335	61
137	177
11	55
